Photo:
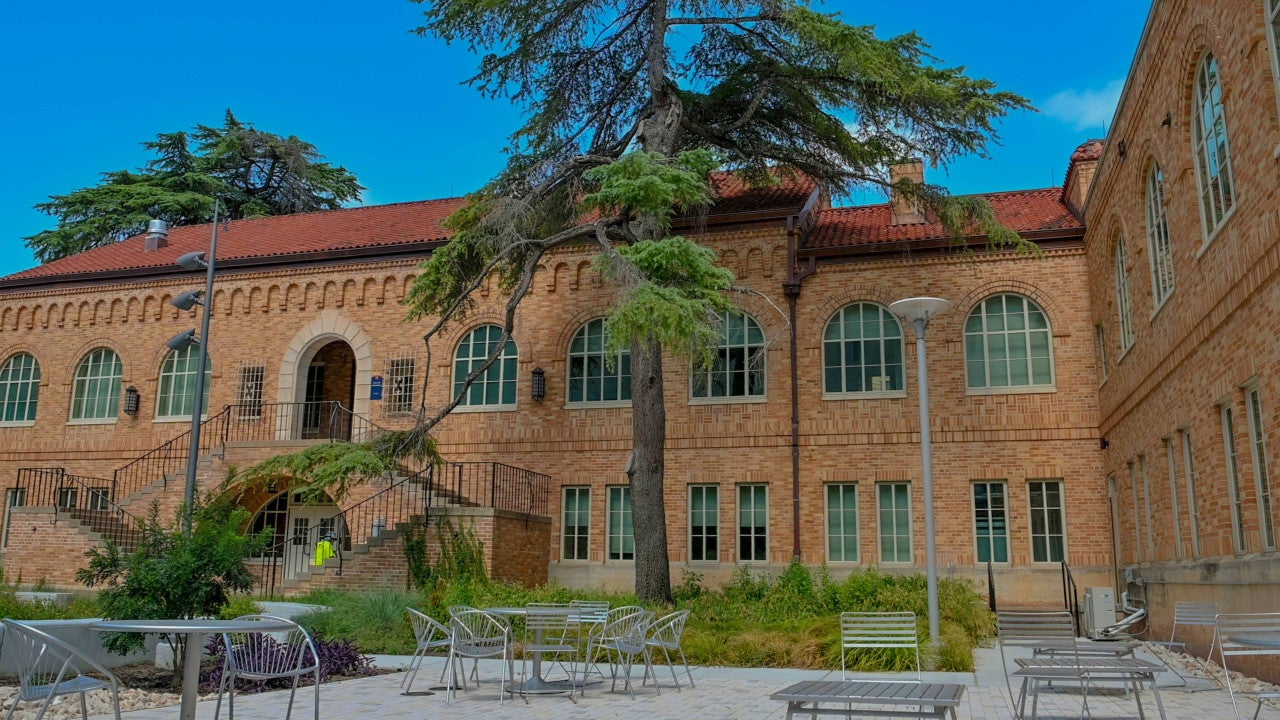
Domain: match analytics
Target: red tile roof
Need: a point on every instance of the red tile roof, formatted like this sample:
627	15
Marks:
1025	211
283	235
378	227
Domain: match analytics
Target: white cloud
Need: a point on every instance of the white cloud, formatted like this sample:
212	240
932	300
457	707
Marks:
1085	109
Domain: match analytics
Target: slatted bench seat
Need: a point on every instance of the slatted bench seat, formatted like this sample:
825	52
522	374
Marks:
1033	671
931	700
1052	647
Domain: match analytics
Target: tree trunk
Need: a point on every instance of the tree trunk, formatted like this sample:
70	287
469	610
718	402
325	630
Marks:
648	502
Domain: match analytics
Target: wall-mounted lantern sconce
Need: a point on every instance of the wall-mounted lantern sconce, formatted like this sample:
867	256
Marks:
1104	443
1123	149
131	400
1168	119
539	384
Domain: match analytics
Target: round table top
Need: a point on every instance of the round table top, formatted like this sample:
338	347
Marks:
199	625
1256	639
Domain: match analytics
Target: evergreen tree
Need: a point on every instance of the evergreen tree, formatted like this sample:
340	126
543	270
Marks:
630	105
254	173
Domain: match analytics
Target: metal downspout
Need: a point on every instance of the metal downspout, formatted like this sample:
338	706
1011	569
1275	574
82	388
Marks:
796	227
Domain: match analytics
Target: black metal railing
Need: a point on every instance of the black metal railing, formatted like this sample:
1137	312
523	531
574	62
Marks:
85	499
169	458
1070	595
991	587
495	485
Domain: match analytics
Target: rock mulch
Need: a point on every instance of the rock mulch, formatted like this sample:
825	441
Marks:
67	707
1194	667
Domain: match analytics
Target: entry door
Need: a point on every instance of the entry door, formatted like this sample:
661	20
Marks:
313	398
306	524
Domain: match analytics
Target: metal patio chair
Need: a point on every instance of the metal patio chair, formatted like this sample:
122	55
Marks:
1193	614
1233	633
665	634
623	636
862	630
49	667
546	632
265	656
477	634
429	635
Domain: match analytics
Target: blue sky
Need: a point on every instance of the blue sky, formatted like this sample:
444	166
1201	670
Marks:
87	82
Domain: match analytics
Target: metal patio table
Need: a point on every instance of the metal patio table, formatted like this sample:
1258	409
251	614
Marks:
537	685
196	631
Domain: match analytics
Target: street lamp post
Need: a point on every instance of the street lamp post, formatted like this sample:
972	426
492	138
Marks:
183	340
919	311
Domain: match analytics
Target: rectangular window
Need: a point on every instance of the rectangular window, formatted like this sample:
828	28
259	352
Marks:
991	521
1258	444
1171	453
1137	516
1233	478
1048	521
1102	351
753	523
302	527
400	384
1189	470
576	523
704	523
68	497
1146	504
99	498
622	541
894	505
842	522
250	394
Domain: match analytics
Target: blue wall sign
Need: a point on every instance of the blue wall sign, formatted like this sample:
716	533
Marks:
375	387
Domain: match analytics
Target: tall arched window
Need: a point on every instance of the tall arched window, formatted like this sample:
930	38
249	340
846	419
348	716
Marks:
1160	252
19	389
497	386
1213	154
862	351
1273	34
595	375
738	368
1007	344
178	384
1124	302
95	395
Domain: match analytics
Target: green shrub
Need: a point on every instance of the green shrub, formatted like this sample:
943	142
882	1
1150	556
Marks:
239	604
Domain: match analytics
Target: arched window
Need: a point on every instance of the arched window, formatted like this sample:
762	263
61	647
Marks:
19	389
1124	302
1213	154
178	384
1161	252
1273	34
497	386
862	351
95	394
1007	344
738	368
595	375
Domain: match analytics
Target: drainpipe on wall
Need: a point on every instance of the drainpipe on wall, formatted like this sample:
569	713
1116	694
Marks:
797	227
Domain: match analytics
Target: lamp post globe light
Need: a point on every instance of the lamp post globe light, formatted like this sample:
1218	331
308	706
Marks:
918	311
187	338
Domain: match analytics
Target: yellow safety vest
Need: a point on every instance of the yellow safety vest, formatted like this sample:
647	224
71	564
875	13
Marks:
324	551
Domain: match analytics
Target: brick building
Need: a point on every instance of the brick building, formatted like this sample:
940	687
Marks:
1182	255
309	342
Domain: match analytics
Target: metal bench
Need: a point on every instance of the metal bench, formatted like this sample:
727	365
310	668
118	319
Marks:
932	700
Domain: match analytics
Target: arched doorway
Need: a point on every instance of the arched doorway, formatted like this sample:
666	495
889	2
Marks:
296	527
354	355
328	384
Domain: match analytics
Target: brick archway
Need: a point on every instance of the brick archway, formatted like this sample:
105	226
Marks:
307	342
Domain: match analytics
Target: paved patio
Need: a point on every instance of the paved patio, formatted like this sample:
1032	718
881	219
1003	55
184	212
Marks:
721	694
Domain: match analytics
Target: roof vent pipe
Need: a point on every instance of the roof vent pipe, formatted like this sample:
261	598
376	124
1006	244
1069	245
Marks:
157	235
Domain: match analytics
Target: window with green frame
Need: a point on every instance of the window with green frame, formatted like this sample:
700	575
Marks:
497	386
621	541
862	351
842	522
1007	344
704	523
894	500
19	389
95	393
1048	521
991	521
178	383
576	523
737	369
753	523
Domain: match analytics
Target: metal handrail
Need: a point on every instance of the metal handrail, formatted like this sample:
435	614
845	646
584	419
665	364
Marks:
1070	595
84	498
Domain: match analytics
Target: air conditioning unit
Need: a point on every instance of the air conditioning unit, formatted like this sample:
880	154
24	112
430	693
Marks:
1099	609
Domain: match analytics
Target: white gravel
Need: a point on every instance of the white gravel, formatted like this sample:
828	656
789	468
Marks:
67	707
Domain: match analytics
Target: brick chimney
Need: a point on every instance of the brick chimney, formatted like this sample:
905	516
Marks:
1080	172
905	210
